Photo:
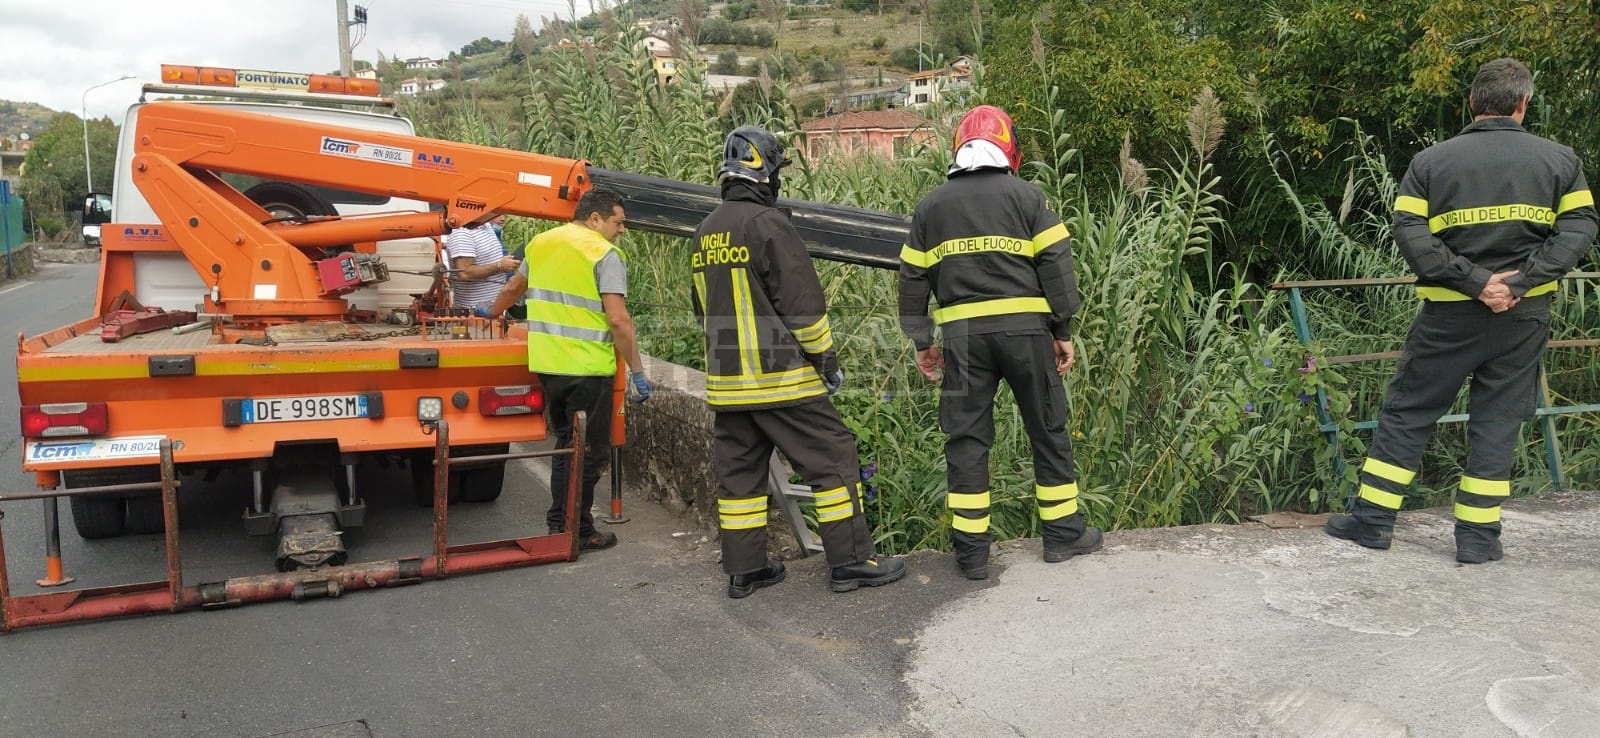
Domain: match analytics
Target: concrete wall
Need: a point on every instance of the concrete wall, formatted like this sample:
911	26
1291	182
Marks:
669	456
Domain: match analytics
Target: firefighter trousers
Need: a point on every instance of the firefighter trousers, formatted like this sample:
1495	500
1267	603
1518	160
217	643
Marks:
1448	342
821	449
564	397
973	367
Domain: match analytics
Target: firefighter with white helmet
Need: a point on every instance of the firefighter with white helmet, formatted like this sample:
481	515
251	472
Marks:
998	263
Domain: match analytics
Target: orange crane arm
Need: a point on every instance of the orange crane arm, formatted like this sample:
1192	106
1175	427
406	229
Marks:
260	271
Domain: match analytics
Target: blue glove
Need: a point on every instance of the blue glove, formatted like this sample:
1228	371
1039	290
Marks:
833	381
638	387
481	312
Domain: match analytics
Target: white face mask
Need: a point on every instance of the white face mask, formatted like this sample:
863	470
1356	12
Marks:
499	230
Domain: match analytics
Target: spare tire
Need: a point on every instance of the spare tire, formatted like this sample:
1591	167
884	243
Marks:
288	201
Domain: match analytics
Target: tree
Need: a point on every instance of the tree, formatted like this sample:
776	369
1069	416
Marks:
727	63
53	171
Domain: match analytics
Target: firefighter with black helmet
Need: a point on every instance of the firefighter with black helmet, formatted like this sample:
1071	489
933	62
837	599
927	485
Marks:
999	264
1489	220
770	367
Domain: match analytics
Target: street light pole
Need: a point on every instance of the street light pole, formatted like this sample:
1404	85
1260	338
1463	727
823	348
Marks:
83	106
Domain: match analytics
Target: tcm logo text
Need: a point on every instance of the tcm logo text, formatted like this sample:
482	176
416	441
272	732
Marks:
470	205
339	146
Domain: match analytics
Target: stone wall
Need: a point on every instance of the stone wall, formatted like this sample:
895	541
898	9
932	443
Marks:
22	260
669	456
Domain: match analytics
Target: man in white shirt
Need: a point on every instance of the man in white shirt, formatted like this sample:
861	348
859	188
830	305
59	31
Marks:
479	264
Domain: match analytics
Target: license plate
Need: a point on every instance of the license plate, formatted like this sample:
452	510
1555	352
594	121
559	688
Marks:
308	407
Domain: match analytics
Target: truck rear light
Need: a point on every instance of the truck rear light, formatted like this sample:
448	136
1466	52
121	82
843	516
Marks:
518	400
65	419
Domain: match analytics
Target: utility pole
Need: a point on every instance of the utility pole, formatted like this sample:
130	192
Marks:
344	37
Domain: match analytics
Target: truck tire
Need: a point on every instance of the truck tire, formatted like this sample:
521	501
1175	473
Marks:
98	517
145	514
476	484
101	516
289	201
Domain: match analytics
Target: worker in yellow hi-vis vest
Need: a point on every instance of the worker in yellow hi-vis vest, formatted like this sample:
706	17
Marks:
575	281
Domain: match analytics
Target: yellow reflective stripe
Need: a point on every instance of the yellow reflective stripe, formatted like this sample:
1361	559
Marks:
811	388
744	522
257	368
700	290
1386	500
981	525
1445	294
1470	514
1001	306
77	373
829	497
817	337
1053	493
1486	487
744	311
1051	236
1575	200
968	500
763	379
741	504
1388	471
1491	214
916	258
1058	511
836	512
1413	205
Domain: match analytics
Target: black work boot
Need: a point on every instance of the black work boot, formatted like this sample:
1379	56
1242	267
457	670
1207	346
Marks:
741	585
1477	543
869	573
1366	524
972	553
1089	542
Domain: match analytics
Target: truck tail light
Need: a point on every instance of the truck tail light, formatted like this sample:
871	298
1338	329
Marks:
519	400
65	419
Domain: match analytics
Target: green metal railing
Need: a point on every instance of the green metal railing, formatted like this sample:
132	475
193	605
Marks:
11	232
1545	415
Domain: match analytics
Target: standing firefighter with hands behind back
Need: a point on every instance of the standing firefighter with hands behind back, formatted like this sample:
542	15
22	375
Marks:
999	263
1488	220
770	366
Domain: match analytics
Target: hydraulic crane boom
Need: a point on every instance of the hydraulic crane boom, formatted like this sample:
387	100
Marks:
258	269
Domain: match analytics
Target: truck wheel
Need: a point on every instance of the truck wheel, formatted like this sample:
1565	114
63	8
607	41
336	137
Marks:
98	517
289	201
145	515
484	483
102	516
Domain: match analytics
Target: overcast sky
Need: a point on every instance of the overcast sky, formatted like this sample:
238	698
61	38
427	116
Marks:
51	51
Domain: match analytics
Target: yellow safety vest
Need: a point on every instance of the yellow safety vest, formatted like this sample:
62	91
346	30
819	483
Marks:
567	328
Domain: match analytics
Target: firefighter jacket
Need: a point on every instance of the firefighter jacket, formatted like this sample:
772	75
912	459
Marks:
757	297
568	332
993	255
1492	199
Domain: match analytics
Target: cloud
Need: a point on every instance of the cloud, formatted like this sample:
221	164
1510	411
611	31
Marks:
54	50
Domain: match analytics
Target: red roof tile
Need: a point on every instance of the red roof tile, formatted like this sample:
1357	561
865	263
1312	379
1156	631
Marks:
897	120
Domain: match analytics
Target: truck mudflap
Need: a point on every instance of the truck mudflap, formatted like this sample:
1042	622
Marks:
171	595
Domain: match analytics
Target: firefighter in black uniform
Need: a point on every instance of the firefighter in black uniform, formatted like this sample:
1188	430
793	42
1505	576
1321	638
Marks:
999	263
1488	220
770	366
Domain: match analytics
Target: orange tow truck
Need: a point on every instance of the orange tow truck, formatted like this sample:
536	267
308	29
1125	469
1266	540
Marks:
270	299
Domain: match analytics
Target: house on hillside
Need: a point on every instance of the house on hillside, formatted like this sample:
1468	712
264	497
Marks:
653	43
419	85
886	133
936	85
893	96
420	62
666	66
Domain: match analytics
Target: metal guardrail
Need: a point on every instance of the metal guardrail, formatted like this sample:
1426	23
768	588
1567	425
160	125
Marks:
1330	429
171	595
